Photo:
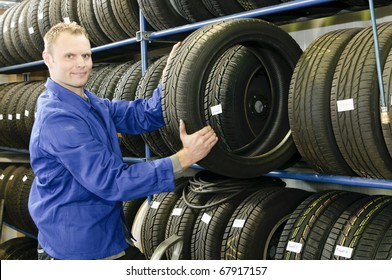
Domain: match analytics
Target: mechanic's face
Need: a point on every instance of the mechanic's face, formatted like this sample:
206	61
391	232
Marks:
69	61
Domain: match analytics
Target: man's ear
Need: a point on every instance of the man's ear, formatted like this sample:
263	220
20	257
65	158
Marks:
45	56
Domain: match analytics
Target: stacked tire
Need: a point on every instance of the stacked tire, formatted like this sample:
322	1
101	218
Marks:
335	83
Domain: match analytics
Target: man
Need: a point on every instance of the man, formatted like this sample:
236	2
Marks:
81	181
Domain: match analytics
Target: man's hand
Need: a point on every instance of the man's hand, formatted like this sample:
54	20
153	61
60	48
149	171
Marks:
195	146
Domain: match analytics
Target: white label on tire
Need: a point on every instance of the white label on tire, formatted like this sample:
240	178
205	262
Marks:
177	212
20	20
11	177
216	110
345	105
206	218
24	178
31	30
26	113
13	24
40	15
342	251
1	176
1	117
155	205
67	20
10	117
17	116
239	223
294	247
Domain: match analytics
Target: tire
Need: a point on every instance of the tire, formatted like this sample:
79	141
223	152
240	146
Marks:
187	75
371	239
4	105
192	11
309	225
343	237
386	124
181	222
161	14
358	130
127	15
309	103
253	231
160	208
126	90
19	248
90	23
147	84
223	7
33	27
105	16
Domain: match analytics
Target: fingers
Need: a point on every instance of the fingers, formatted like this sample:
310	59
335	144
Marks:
182	129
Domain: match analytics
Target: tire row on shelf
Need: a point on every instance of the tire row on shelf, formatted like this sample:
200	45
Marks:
233	219
253	126
24	24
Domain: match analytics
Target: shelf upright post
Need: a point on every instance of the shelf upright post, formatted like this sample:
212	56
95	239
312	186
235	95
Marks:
141	37
383	98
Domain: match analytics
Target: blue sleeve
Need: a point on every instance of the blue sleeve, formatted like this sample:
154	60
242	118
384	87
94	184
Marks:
95	167
138	116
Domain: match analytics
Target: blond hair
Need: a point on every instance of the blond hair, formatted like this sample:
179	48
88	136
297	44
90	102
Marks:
55	31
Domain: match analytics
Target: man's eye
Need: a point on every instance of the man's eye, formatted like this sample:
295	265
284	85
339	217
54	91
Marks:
86	56
69	56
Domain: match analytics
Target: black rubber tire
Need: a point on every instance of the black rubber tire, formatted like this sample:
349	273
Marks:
311	222
98	76
386	118
192	11
371	239
105	16
17	248
181	222
9	21
20	128
157	216
131	208
33	27
89	22
30	111
384	251
223	7
358	132
11	201
69	11
126	90
107	87
14	117
161	14
147	84
350	225
210	226
309	103
16	39
185	81
43	17
253	231
25	36
5	55
4	105
55	12
126	13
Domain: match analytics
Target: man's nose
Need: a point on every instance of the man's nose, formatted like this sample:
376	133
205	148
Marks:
80	61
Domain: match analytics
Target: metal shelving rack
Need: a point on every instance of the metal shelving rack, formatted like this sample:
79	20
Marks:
143	37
